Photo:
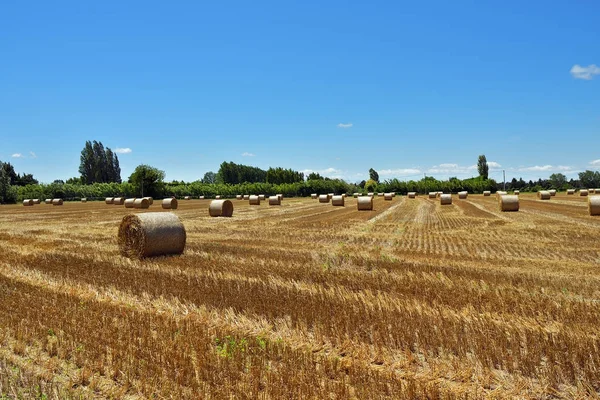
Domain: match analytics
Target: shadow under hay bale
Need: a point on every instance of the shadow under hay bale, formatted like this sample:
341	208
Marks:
220	208
151	234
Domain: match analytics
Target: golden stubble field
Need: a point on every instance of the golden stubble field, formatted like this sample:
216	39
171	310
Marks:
305	300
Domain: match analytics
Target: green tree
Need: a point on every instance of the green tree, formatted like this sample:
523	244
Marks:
370	185
10	171
98	164
147	180
373	175
314	176
209	177
558	181
589	179
482	167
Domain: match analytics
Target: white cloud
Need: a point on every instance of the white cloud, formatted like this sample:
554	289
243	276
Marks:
340	125
538	168
586	73
595	163
328	172
399	172
448	165
123	150
32	154
246	154
18	155
493	164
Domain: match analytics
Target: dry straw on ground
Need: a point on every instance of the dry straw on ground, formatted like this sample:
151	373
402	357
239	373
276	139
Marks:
274	201
220	208
543	195
141	203
364	203
594	205
324	198
254	200
508	203
129	203
337	201
151	234
57	202
169	203
445	199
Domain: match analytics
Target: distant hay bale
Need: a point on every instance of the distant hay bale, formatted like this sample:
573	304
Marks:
254	200
487	193
129	202
412	195
314	196
501	192
274	200
150	200
364	203
261	197
84	200
393	194
370	194
432	195
324	198
201	197
570	191
118	201
380	194
337	201
57	202
36	201
109	200
169	203
597	191
218	197
583	192
239	197
28	202
141	203
516	192
188	197
151	234
355	195
508	202
463	195
344	195
220	208
445	199
246	197
552	192
591	191
48	201
280	197
594	205
388	196
543	195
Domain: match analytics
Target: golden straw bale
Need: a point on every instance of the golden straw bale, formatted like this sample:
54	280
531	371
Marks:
487	193
463	195
388	196
254	200
314	196
118	201
583	192
594	205
48	201
239	197
508	203
141	203
261	197
246	197
108	200
129	203
570	191
337	201
543	195
151	234
170	203
150	200
445	199
364	203
274	200
412	195
27	202
220	208
432	195
324	198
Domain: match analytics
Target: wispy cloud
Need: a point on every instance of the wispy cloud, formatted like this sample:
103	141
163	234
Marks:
586	73
494	165
328	172
539	168
399	172
246	154
32	154
345	126
123	150
18	155
595	163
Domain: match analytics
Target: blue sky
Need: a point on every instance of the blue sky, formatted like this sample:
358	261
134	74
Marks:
406	88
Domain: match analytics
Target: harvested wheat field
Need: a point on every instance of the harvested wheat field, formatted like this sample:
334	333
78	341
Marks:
305	300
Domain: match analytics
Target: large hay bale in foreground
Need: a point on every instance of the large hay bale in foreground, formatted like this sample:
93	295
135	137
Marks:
432	195
583	192
254	200
594	205
543	195
388	196
220	208
274	200
314	196
570	191
57	202
445	199
118	201
552	192
169	203
337	201
412	195
129	203
151	234
109	200
324	198
487	193
508	203
463	195
141	203
48	201
27	202
364	203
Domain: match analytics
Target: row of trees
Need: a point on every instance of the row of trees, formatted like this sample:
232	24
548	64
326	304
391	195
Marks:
233	174
98	164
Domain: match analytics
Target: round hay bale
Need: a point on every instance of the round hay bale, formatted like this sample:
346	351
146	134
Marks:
220	208
314	196
364	203
380	194
337	201
370	194
516	192
445	199
552	192
344	195
543	195
597	191
169	203
109	200
261	197
412	195
280	196
201	197
141	203
463	195
393	194
583	192
151	234
246	197
254	200
508	203
218	197
324	198
355	195
591	191
432	195
487	193
239	197
150	200
36	201
388	196
594	205
274	200
84	200
571	191
27	202
48	201
129	203
118	201
57	202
